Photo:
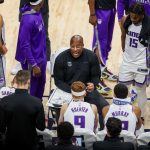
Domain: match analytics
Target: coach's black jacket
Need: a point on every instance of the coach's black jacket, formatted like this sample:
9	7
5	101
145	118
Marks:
20	115
145	31
68	69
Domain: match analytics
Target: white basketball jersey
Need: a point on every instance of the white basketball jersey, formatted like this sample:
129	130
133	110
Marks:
5	91
125	114
80	115
134	55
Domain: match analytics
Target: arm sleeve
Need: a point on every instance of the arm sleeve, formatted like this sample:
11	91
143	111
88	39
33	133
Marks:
59	75
40	121
25	42
95	70
120	8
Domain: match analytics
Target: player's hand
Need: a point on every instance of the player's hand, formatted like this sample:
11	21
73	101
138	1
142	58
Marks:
93	20
36	71
3	49
90	87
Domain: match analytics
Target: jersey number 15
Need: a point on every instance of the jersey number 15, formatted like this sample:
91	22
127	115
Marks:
133	43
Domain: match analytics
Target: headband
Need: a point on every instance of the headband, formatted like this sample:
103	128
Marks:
78	93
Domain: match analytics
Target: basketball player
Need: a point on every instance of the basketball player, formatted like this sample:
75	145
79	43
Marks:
102	17
135	64
31	46
3	51
123	110
81	114
123	6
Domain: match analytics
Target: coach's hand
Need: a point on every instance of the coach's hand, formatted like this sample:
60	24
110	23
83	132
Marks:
36	71
93	19
90	87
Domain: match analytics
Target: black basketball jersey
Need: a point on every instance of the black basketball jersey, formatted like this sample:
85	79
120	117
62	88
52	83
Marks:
105	4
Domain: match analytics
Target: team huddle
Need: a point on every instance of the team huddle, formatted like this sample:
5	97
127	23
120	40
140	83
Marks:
78	71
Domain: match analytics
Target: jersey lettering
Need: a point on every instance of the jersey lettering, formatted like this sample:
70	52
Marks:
143	1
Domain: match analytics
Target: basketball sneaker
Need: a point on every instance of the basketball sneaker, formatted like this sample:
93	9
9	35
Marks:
107	74
102	88
16	69
133	94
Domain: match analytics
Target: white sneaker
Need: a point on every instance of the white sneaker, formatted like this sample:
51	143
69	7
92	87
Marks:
133	94
16	69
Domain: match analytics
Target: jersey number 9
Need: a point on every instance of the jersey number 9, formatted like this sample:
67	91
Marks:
79	121
124	125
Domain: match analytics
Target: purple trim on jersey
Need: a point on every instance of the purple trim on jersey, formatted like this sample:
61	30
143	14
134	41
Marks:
134	81
126	81
121	6
103	32
143	81
148	57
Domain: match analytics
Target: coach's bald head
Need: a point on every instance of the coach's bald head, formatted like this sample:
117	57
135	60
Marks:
76	38
76	46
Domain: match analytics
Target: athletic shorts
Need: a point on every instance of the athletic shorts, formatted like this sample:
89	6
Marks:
136	75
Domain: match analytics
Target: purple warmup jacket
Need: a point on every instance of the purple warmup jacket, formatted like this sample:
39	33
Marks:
31	45
121	6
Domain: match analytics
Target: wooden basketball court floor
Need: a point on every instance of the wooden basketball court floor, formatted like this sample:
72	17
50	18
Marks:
67	18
